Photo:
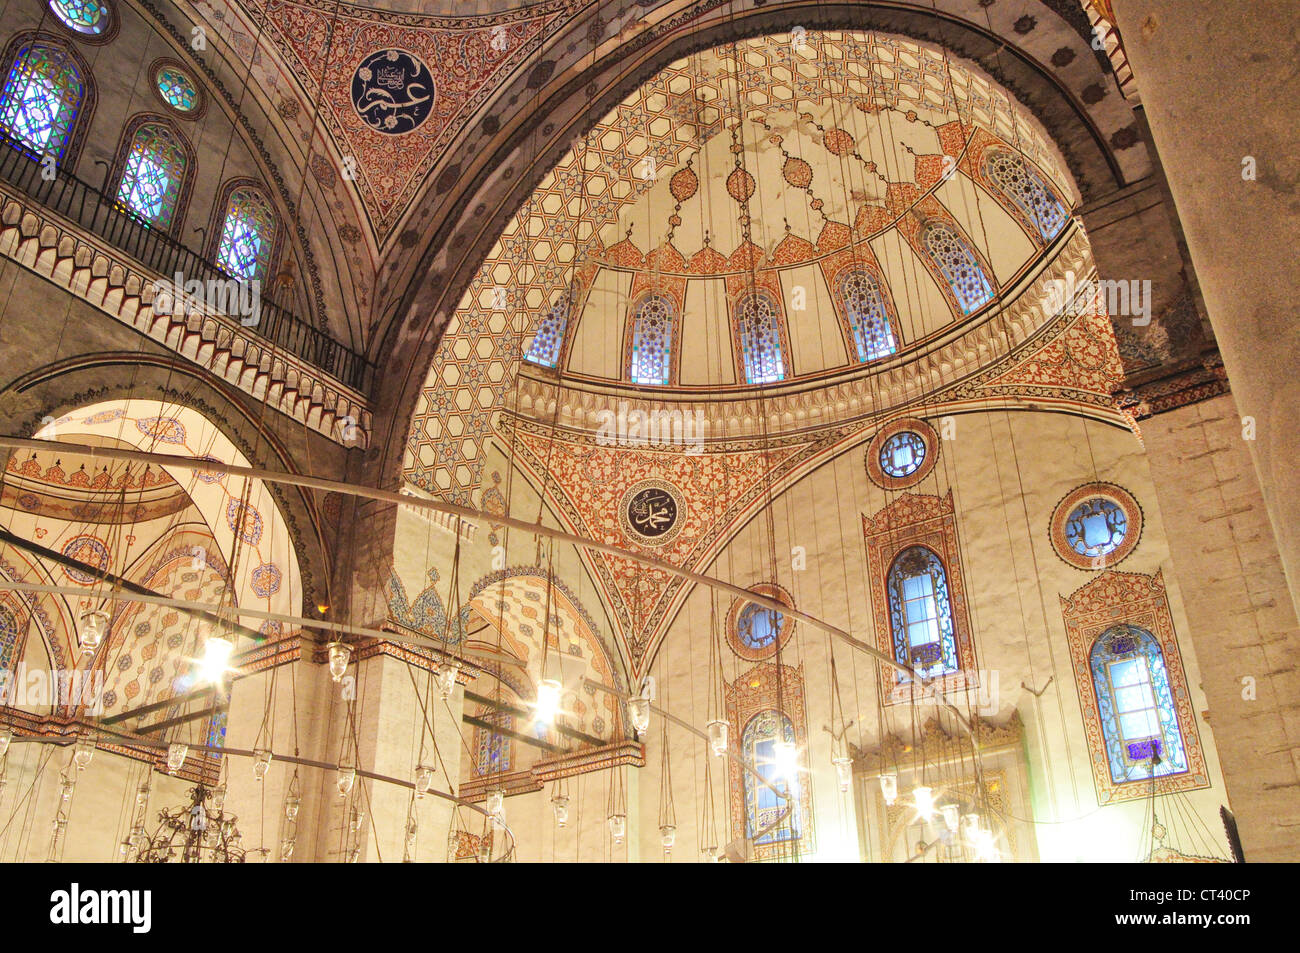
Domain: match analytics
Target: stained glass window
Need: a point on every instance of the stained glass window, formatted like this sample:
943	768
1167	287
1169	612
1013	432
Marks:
757	626
959	267
1138	717
545	349
902	454
760	339
151	180
247	236
177	89
652	341
872	334
84	16
41	98
762	806
8	637
1096	527
1028	190
492	749
921	614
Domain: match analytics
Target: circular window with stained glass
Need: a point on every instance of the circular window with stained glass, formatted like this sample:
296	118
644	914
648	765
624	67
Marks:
753	630
1096	526
87	17
177	88
902	453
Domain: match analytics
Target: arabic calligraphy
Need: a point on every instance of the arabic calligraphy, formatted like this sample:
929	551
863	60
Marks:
392	91
651	511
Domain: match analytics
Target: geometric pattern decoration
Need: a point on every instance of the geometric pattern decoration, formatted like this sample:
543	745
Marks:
1027	189
153	175
1124	616
652	341
902	453
41	98
247	235
548	342
176	88
1095	526
873	335
921	530
959	266
85	16
758	329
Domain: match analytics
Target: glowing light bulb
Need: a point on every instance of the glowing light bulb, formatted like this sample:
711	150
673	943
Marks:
638	711
923	798
142	794
446	679
560	804
423	780
261	763
6	736
176	753
292	805
985	851
950	817
495	802
617	827
668	836
548	700
347	776
66	787
889	788
340	654
286	850
843	772
970	824
83	752
216	659
219	797
718	731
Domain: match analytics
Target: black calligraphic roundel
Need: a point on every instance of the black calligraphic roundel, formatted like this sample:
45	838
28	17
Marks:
652	513
392	91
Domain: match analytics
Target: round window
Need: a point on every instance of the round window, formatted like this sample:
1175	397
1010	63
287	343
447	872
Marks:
85	16
177	89
1096	527
902	454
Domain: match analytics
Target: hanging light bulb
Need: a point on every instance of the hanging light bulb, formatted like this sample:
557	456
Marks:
668	837
446	679
83	752
423	780
6	736
216	659
843	772
617	827
923	798
411	831
292	805
889	788
219	797
985	851
261	763
560	804
548	700
286	850
91	632
355	819
176	753
340	654
718	731
453	843
950	817
347	776
142	794
496	803
970	824
66	787
638	712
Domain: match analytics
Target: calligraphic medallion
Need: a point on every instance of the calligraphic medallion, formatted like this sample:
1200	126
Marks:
652	512
392	91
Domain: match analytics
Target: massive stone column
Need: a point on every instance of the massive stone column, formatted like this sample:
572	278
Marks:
1218	85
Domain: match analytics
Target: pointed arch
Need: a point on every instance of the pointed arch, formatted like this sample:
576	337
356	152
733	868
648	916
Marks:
47	99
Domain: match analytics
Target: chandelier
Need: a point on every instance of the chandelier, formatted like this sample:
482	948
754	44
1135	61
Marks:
193	834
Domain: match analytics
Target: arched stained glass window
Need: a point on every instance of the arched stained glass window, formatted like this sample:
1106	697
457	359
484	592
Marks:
1028	190
959	267
1138	718
177	89
491	748
873	336
8	638
759	747
85	16
652	341
549	339
920	613
153	174
42	96
760	339
247	235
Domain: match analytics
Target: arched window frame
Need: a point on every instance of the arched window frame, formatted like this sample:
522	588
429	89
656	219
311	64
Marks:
762	805
953	278
217	226
106	35
1136	705
670	347
746	346
866	343
1037	225
549	344
925	608
11	637
488	742
173	225
75	138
